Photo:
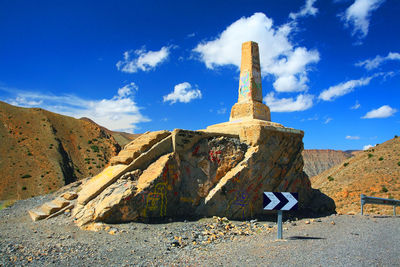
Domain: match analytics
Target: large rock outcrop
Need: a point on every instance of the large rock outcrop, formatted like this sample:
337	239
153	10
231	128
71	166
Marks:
198	174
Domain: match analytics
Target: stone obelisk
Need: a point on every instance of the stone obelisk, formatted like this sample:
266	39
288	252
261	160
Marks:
249	111
249	105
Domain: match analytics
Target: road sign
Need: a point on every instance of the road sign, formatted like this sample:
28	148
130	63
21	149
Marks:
280	201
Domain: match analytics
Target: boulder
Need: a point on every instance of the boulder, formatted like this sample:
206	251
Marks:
205	174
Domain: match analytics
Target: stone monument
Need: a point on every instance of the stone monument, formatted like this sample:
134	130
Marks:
249	110
222	170
249	105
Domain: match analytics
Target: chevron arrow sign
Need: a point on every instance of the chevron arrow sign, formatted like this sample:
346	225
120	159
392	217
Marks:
280	201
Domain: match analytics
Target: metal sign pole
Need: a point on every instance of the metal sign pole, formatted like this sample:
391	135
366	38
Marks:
279	224
362	204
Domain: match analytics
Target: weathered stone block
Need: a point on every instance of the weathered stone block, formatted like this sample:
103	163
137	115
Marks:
250	110
69	195
138	146
37	214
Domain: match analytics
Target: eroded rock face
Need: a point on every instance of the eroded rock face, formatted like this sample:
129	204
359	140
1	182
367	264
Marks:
205	174
317	161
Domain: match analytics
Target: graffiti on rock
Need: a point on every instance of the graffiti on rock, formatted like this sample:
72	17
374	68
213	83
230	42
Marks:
157	200
215	156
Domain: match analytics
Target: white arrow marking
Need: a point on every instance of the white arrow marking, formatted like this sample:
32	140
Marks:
274	200
292	201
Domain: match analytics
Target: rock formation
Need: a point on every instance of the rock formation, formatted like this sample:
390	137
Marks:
318	160
222	170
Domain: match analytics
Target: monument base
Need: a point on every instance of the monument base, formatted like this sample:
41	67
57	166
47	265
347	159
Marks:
250	110
235	127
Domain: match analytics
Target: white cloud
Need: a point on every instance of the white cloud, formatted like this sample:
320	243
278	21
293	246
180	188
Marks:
119	113
127	90
382	112
302	102
327	120
27	103
370	64
356	105
307	10
358	15
366	147
350	137
278	56
183	92
340	89
142	60
221	111
314	118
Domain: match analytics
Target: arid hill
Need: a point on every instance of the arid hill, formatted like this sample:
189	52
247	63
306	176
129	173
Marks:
319	160
373	172
122	138
41	151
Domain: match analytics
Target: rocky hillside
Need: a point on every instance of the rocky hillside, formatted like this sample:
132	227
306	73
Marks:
41	151
373	172
319	160
122	138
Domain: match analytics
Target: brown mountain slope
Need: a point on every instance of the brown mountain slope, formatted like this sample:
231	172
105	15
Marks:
373	172
319	160
41	151
122	138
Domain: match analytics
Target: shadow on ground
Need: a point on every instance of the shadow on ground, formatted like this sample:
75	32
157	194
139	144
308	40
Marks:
304	238
320	205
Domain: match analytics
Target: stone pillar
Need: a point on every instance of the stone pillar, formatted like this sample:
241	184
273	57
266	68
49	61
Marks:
249	105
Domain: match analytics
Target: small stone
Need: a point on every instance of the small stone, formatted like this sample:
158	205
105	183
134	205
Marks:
307	222
70	195
333	223
113	231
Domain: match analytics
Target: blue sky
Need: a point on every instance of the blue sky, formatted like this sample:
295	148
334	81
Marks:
330	68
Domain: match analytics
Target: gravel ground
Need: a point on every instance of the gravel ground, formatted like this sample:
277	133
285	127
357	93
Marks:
336	240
